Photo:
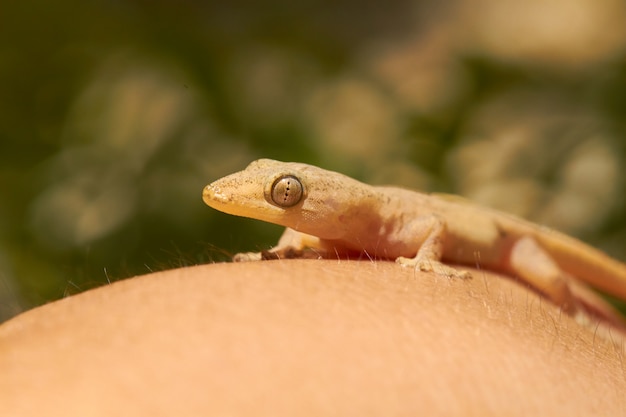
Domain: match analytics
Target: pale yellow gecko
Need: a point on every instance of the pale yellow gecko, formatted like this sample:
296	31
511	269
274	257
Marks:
328	214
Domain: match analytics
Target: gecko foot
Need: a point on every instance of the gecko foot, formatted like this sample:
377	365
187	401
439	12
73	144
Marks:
259	256
283	253
430	265
247	257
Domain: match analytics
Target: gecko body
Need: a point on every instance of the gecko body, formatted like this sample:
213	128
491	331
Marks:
334	215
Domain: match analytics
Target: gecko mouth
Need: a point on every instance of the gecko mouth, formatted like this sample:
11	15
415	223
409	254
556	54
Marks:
233	203
241	201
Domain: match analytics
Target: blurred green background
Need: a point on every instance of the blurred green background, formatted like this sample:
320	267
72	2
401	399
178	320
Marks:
115	114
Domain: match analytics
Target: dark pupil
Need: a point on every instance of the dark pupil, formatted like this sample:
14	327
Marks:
287	190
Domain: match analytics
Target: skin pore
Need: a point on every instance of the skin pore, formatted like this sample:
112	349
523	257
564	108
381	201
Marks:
308	337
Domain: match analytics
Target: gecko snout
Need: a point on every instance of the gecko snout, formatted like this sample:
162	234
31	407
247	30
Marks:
212	194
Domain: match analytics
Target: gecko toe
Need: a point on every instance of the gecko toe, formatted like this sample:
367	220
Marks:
430	265
247	257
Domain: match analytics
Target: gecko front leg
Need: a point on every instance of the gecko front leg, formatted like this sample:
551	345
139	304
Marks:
431	231
292	244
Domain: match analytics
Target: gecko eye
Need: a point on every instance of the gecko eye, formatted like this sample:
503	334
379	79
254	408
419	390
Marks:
286	191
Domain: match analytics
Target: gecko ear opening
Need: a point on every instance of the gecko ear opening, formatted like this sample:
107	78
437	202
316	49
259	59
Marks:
285	191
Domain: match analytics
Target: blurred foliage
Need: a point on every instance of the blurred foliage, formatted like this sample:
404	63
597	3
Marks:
115	114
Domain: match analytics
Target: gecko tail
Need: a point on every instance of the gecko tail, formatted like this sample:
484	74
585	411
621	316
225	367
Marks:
585	262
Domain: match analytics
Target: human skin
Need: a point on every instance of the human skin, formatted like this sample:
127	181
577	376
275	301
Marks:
308	337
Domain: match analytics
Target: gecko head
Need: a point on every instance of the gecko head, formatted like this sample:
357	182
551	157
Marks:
300	196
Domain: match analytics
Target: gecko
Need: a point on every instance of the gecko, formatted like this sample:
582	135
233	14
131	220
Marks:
328	214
